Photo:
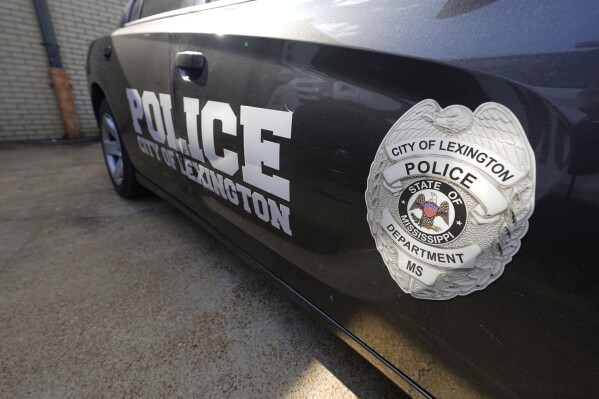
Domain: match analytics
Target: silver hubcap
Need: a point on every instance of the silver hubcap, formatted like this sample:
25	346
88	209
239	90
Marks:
112	149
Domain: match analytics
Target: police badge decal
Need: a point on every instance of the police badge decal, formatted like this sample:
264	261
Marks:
449	196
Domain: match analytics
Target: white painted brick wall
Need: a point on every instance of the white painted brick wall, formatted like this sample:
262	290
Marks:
28	109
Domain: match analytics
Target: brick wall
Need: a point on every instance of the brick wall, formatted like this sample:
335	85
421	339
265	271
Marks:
28	109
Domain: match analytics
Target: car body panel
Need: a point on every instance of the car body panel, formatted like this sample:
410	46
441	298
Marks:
347	70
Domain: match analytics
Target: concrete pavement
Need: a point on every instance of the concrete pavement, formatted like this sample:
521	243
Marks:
102	297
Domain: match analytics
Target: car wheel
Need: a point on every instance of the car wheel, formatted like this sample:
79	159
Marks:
120	168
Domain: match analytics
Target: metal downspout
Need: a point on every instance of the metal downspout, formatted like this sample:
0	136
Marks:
60	79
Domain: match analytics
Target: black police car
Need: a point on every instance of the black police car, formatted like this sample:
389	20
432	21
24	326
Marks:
422	175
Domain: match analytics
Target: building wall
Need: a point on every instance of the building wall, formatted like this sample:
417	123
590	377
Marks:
28	109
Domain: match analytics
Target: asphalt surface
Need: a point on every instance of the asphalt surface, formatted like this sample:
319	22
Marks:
102	297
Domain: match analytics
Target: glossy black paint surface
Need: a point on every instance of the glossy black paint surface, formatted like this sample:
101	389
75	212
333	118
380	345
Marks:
530	334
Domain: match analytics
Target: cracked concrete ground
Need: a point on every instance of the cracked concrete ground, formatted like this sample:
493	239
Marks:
102	297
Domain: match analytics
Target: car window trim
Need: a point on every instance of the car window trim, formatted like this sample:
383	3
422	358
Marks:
141	7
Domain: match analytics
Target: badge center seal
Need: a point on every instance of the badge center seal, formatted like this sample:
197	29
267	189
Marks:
449	196
432	211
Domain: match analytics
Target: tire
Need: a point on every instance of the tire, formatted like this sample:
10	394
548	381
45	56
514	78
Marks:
119	166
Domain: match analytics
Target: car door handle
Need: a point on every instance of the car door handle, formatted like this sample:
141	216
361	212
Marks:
107	52
190	64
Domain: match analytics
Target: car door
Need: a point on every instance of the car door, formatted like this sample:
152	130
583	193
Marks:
235	172
242	105
140	72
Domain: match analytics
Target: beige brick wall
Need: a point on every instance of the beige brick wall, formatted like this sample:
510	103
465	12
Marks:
28	109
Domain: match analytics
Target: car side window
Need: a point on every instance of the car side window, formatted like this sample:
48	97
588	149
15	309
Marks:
153	7
198	2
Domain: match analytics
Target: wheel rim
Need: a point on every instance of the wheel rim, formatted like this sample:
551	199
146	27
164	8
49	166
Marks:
112	149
